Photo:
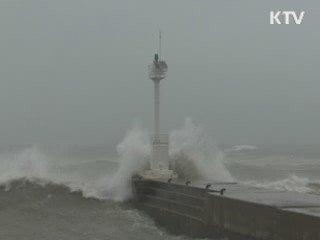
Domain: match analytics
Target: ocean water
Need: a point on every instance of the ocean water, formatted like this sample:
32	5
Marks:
81	192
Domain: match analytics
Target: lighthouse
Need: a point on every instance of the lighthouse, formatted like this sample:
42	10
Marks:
159	161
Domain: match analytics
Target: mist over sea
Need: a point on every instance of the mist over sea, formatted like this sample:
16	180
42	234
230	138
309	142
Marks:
81	192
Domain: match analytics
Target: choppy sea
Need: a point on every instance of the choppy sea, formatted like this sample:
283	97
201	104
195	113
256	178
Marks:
81	192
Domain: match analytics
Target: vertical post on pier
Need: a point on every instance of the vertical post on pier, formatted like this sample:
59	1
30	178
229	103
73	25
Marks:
159	162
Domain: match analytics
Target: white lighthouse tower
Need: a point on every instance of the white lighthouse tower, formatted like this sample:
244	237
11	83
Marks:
159	163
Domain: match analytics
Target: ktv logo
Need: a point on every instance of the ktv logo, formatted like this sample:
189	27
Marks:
286	17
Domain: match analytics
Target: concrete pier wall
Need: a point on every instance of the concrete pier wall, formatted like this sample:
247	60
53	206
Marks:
242	212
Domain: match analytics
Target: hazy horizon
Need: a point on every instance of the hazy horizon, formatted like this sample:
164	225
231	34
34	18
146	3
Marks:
75	72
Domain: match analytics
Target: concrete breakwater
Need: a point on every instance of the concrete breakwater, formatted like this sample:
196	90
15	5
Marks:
229	210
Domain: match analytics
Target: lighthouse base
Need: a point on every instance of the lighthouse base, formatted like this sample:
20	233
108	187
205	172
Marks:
159	174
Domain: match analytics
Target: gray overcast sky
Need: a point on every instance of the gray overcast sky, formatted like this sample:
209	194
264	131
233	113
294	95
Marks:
75	71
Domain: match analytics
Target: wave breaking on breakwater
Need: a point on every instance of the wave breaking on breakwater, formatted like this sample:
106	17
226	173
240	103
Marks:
193	156
192	153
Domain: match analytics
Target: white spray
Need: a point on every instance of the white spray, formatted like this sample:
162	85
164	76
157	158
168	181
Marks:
134	153
29	164
193	154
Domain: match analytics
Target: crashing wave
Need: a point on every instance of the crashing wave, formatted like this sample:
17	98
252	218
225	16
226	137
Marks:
238	148
292	183
192	155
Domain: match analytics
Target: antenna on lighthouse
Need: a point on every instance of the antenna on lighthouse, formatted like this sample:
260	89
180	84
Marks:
159	162
159	44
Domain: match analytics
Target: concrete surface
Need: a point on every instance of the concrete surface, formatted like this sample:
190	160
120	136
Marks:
242	212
